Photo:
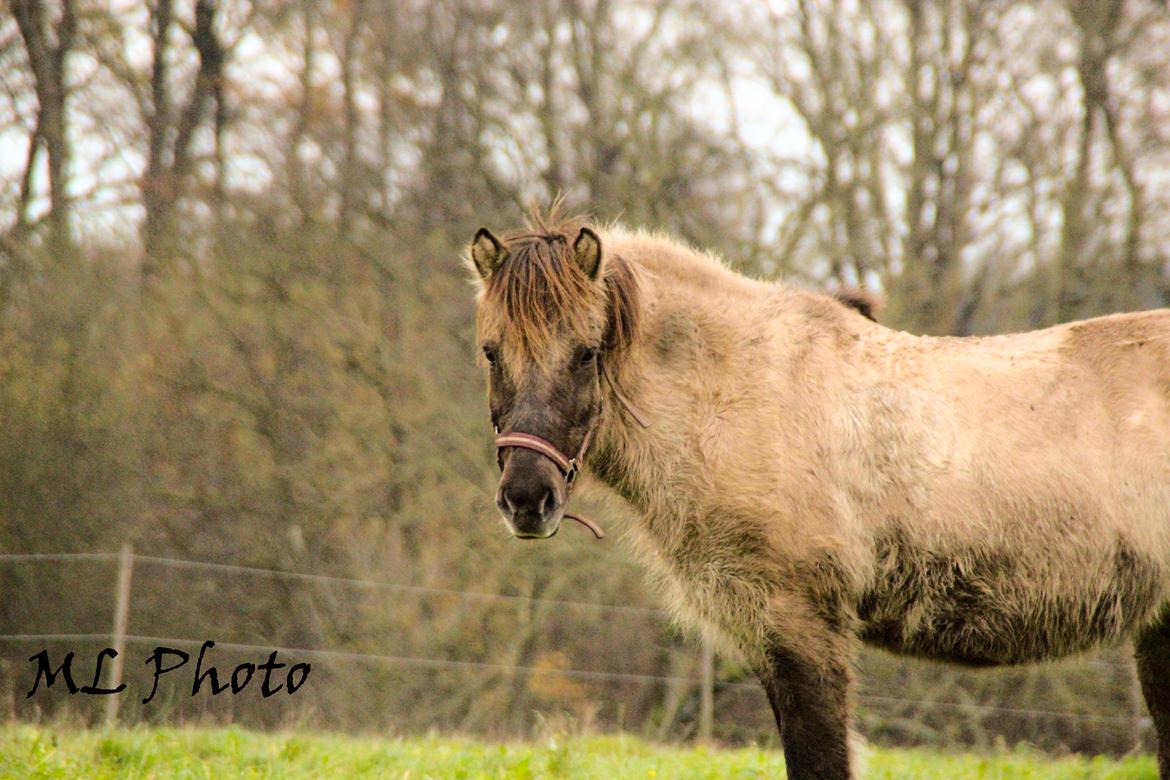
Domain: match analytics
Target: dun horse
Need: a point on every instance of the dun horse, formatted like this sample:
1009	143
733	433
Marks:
809	479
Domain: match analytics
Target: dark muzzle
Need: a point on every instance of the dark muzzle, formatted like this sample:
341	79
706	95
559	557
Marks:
569	467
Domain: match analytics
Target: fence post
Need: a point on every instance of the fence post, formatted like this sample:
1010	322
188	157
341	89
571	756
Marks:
706	691
121	620
1137	705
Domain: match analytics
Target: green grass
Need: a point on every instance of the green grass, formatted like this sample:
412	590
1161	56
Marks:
51	752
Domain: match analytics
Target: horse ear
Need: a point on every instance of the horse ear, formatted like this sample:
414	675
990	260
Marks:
487	253
587	252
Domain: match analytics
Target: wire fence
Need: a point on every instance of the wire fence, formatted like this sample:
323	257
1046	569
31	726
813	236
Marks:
119	637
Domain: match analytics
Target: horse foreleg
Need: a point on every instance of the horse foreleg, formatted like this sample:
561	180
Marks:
809	692
1152	651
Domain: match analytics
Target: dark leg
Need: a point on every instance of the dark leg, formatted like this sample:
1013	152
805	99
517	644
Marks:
1152	650
809	692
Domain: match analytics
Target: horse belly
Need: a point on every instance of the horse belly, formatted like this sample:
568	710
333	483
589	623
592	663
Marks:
985	609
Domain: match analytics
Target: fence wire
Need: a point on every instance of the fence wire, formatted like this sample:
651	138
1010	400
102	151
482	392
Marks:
464	665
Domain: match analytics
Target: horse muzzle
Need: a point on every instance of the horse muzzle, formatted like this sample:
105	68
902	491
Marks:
531	496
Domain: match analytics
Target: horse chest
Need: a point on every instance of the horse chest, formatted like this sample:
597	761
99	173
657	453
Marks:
718	585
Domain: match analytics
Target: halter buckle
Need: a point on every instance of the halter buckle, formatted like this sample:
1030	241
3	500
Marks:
571	472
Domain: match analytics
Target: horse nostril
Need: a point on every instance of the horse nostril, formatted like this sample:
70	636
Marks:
544	501
537	499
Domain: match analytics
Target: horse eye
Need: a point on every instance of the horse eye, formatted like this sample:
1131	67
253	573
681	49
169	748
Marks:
588	356
489	352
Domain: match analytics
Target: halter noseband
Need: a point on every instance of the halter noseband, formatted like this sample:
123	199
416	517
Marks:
570	467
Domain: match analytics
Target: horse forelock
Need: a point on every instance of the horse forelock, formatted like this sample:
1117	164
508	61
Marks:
539	294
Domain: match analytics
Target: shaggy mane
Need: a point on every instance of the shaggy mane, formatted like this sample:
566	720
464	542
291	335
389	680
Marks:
862	302
540	284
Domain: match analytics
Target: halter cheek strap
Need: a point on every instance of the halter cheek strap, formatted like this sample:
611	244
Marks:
570	467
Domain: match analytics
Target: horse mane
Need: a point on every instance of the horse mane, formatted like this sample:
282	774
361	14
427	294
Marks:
860	301
540	283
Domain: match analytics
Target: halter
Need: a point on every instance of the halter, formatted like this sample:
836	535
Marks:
570	467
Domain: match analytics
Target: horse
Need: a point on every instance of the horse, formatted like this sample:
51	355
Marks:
805	479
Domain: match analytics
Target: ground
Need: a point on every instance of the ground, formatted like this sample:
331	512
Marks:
56	752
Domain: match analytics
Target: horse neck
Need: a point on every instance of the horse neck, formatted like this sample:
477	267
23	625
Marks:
686	328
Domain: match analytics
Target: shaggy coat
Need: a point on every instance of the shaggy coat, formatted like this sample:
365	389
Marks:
812	478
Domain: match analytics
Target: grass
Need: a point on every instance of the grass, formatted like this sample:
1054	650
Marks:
52	752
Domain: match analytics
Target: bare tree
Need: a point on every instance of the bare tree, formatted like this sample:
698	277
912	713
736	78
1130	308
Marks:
48	46
171	131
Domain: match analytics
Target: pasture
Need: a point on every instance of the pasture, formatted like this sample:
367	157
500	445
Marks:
28	752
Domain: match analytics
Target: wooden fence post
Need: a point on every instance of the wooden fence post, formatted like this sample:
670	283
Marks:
707	691
1137	705
121	621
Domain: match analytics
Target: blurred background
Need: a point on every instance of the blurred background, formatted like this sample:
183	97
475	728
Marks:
235	332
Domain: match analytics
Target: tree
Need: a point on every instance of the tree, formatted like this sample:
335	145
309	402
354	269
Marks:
47	47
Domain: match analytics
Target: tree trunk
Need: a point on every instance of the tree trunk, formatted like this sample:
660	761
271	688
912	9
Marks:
47	60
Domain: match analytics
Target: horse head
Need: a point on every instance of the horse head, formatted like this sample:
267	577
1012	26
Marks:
553	312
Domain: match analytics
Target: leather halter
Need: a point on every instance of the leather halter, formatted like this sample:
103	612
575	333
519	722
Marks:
570	467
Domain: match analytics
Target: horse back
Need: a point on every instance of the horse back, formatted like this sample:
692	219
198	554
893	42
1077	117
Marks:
1130	351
